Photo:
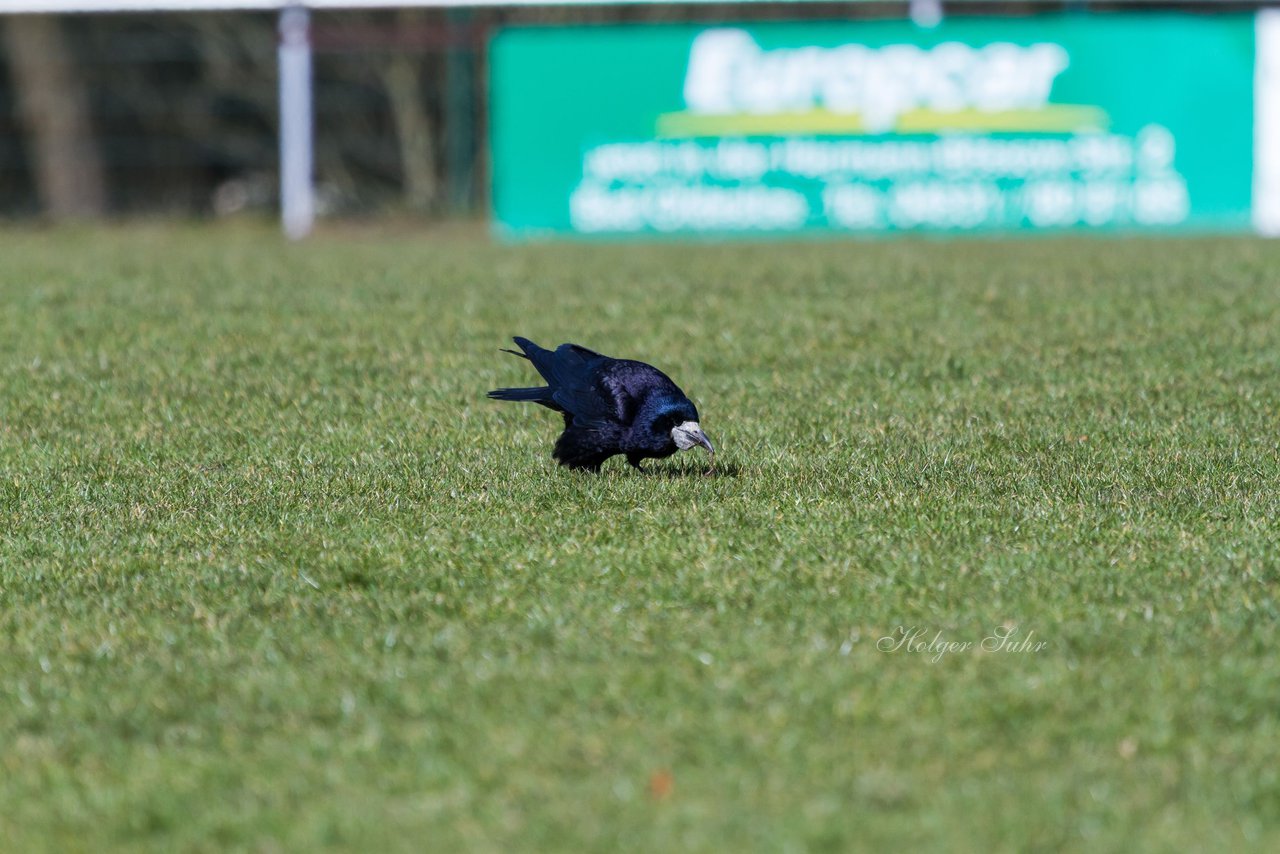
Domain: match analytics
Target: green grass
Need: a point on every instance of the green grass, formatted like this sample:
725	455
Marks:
275	575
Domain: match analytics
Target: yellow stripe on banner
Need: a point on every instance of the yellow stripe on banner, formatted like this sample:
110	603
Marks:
822	122
1063	118
1060	118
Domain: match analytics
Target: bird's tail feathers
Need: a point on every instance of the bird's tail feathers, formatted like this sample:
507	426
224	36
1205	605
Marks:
530	350
540	394
542	358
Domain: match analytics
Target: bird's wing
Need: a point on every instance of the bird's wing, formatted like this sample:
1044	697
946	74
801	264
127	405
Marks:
580	351
590	387
556	366
581	382
586	394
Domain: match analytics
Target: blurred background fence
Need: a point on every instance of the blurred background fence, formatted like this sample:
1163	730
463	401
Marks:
164	114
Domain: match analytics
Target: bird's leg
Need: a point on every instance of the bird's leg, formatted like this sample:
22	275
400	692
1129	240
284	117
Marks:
635	461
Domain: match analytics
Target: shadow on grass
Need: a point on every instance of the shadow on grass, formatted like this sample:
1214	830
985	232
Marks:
725	469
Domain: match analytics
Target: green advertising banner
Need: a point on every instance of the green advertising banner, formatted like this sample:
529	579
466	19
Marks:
1119	122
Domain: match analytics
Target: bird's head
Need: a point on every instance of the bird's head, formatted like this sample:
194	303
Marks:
680	419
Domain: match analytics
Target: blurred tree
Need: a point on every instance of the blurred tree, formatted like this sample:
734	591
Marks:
459	108
54	112
402	78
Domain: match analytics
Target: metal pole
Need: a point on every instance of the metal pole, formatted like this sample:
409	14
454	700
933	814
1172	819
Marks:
1266	124
297	196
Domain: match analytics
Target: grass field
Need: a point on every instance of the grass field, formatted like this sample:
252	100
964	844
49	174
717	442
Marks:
275	575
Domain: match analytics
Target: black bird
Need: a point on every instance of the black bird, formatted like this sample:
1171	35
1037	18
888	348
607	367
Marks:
610	406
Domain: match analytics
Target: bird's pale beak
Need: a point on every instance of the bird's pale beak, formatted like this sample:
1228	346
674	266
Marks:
689	434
